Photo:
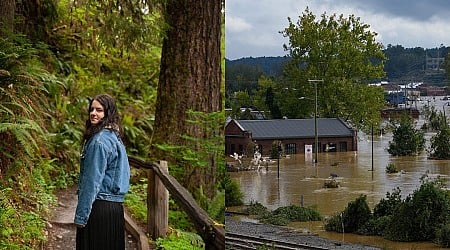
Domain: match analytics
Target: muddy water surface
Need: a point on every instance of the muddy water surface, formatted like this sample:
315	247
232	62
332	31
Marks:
300	180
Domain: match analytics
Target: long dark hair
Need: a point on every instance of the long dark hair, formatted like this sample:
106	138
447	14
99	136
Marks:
111	119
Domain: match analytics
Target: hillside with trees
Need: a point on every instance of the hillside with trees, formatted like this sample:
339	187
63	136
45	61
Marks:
402	65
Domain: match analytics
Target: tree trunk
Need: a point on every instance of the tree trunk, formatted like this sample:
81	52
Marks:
190	79
7	11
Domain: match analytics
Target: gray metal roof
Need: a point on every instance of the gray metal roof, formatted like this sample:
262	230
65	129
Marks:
295	128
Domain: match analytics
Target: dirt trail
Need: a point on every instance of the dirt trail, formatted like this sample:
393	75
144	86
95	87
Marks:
60	228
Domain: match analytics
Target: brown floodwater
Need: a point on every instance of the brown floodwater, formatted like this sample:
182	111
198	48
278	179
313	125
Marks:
300	180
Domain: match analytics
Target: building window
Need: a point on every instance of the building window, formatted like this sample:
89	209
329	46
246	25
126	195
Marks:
290	148
343	146
233	149
241	149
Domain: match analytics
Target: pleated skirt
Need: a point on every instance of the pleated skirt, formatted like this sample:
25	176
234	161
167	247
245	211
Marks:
104	229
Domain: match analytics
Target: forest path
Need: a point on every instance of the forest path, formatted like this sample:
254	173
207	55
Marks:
60	228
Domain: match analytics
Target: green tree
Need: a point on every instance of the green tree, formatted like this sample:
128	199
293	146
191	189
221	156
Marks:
190	79
406	139
265	98
344	54
420	214
440	144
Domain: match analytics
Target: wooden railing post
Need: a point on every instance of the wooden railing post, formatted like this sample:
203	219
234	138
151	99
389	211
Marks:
157	204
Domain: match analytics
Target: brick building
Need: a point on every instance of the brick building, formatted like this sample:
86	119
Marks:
295	135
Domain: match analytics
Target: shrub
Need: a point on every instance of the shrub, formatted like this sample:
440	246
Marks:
277	219
375	226
233	194
356	214
296	213
387	206
255	209
391	168
420	215
181	240
334	223
443	235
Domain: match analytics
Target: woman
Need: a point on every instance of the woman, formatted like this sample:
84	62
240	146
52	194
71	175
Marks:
103	181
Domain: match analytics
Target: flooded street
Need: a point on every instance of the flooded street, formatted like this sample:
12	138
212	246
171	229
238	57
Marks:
301	177
300	180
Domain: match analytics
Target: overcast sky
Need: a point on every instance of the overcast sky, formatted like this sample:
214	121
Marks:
252	26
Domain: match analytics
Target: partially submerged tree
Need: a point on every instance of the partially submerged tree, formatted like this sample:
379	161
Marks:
407	140
440	144
344	54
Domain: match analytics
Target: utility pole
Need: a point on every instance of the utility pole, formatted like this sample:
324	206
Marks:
315	119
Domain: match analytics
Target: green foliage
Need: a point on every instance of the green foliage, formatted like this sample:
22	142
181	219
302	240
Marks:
255	208
443	235
419	216
180	240
296	213
355	216
233	194
44	92
440	144
276	150
406	139
136	200
283	215
391	168
435	120
178	218
136	203
200	154
387	206
422	216
344	54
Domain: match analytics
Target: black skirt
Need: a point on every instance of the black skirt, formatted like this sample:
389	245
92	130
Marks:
104	229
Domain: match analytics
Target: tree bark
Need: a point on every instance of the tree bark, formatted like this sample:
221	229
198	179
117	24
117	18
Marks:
7	11
190	78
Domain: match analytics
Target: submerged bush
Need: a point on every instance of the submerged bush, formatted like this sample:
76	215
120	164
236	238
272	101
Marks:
255	209
283	215
356	214
419	216
443	235
391	168
422	216
296	213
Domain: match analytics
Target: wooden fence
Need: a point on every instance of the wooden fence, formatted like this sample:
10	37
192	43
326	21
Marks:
160	184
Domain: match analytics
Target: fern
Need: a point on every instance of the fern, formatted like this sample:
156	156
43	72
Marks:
23	133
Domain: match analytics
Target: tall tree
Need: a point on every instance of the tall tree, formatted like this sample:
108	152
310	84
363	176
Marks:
190	79
7	11
344	54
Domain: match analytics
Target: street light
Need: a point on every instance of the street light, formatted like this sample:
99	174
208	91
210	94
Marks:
443	109
315	118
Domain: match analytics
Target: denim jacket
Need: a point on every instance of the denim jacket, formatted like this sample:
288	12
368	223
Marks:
104	173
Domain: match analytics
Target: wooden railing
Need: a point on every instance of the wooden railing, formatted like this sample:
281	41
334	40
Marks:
160	184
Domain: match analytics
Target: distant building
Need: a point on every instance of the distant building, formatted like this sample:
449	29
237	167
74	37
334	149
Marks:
295	135
396	113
